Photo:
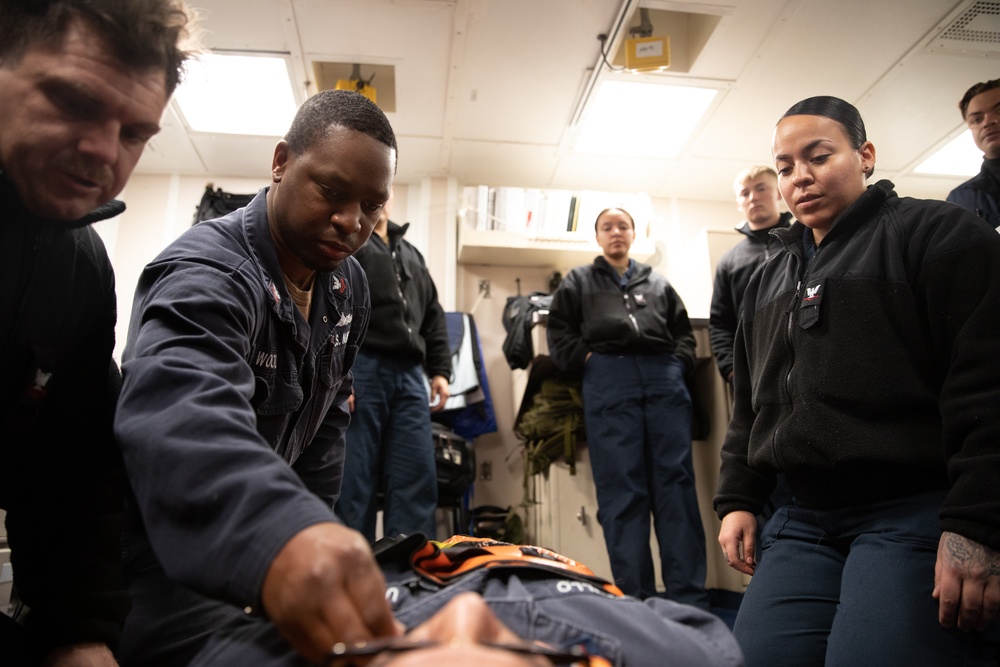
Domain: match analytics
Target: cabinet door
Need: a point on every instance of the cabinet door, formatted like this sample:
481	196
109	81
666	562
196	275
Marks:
565	520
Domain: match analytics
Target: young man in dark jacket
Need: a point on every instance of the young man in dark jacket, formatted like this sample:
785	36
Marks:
980	107
84	86
390	444
758	200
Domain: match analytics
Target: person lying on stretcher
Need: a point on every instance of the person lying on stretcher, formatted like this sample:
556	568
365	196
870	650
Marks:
481	602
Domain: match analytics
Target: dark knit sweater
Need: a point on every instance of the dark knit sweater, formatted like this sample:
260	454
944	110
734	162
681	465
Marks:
407	321
61	475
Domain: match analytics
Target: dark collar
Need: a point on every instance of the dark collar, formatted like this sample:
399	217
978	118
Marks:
12	206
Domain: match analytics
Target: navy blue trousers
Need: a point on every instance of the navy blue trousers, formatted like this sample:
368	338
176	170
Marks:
637	412
390	448
852	587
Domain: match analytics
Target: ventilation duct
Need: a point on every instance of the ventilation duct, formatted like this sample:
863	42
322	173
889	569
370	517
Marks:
975	32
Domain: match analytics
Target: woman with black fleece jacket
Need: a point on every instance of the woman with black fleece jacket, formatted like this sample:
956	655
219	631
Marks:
867	371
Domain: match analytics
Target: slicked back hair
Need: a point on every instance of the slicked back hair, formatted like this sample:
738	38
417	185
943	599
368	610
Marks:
836	109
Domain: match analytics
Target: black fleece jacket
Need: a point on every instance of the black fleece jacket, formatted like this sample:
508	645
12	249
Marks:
407	322
872	373
981	193
731	278
591	312
61	475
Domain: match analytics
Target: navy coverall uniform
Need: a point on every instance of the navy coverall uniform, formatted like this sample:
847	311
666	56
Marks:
637	413
231	420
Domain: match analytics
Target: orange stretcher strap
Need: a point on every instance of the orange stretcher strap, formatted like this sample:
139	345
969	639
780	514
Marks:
461	554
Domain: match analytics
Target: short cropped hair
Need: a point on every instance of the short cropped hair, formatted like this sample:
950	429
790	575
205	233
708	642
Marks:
140	34
977	89
752	174
346	108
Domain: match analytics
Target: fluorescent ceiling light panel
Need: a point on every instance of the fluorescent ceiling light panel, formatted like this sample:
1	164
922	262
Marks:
634	119
959	157
237	94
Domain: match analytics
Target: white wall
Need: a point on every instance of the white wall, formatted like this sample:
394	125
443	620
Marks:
682	250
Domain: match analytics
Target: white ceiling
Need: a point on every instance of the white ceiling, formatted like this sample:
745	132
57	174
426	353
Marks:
486	89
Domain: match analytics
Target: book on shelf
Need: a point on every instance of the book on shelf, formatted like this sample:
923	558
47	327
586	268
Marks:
574	211
533	198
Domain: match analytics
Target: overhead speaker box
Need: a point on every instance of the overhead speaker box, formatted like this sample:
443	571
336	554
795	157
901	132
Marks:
647	54
680	37
359	86
347	75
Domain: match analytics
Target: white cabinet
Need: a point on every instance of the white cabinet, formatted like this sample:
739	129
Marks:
565	520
